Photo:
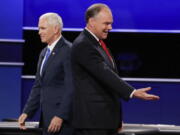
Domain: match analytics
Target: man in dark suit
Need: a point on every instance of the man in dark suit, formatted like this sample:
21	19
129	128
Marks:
96	106
52	90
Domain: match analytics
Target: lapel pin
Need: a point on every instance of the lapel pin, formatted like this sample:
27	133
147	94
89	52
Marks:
53	53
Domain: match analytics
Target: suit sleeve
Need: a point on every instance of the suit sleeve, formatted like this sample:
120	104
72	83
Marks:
33	101
89	58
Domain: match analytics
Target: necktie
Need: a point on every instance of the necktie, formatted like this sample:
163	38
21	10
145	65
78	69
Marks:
106	50
48	52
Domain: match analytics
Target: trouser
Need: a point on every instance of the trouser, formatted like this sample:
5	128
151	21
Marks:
95	132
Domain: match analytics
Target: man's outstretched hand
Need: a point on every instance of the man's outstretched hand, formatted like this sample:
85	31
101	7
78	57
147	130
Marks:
142	94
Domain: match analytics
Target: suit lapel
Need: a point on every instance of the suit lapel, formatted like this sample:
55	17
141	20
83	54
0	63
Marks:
114	63
53	55
41	57
100	49
102	52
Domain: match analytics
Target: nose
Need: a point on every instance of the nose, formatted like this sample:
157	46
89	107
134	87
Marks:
39	31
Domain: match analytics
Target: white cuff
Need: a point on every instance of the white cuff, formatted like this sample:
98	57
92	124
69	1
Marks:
131	96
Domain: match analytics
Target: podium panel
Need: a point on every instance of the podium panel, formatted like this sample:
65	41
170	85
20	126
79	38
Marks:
11	128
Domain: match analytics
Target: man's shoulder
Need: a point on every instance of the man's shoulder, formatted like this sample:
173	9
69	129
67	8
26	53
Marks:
82	40
66	42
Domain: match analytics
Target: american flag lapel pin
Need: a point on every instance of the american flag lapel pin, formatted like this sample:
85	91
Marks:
53	53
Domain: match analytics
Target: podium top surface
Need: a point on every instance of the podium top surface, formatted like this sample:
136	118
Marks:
143	128
31	125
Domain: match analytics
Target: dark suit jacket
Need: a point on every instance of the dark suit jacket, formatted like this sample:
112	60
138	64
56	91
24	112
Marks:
52	90
97	86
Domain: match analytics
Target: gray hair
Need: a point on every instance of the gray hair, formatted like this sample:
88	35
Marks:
53	19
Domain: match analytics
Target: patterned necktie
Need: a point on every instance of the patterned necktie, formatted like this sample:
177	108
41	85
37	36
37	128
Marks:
106	50
48	52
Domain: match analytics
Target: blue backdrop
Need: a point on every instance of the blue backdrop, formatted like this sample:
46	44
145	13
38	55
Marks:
128	14
11	22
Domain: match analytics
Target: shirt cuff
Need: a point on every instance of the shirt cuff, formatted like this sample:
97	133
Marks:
131	96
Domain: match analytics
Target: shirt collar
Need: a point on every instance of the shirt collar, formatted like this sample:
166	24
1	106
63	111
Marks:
92	34
51	46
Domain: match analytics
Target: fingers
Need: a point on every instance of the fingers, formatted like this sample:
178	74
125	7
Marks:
55	125
22	126
152	97
21	121
146	89
54	128
120	129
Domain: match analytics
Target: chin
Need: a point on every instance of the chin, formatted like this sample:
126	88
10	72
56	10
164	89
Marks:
104	37
43	41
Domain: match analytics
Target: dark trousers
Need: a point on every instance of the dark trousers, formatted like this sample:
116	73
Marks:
95	132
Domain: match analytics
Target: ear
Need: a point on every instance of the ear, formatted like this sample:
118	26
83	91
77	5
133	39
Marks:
91	22
56	29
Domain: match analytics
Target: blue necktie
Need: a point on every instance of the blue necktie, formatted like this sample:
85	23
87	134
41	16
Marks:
48	52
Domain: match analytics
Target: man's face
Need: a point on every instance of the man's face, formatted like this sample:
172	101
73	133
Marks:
46	31
102	23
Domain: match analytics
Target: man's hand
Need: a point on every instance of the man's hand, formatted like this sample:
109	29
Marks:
21	121
142	94
120	128
55	124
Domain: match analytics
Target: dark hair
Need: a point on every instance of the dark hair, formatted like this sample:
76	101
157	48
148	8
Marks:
93	10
